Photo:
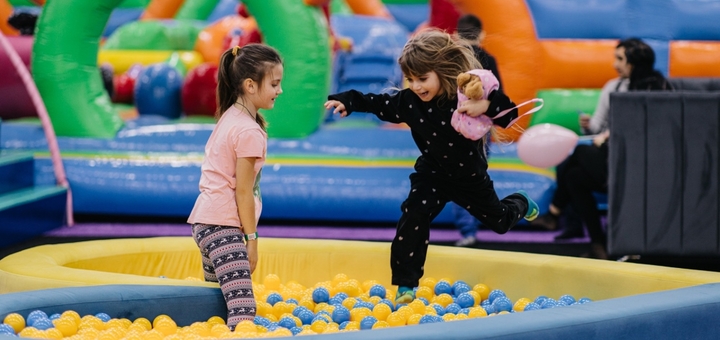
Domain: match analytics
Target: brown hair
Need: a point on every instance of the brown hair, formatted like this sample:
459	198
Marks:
252	61
434	50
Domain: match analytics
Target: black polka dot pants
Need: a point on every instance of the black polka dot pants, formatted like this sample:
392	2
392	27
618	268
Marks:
428	196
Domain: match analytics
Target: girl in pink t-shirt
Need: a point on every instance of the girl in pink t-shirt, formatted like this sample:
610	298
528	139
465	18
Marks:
225	216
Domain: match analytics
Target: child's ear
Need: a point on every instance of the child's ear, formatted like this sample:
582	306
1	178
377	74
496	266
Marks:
249	86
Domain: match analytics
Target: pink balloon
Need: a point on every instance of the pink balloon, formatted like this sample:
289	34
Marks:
546	145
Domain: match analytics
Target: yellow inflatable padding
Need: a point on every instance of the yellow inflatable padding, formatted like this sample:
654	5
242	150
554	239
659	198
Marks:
122	60
143	261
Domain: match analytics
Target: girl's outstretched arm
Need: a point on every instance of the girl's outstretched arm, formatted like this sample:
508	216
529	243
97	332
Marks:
244	183
384	106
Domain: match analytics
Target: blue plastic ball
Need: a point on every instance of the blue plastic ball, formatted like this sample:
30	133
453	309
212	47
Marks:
443	287
340	314
368	322
43	324
287	322
335	301
377	290
502	304
549	303
460	287
531	306
272	326
569	299
320	294
6	329
343	325
440	310
465	300
35	315
489	309
299	309
453	308
424	301
54	316
262	321
295	330
103	316
465	311
341	296
389	303
428	319
274	298
293	301
485	303
306	317
540	299
494	294
324	312
584	300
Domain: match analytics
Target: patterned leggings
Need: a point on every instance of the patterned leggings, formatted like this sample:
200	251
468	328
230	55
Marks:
224	258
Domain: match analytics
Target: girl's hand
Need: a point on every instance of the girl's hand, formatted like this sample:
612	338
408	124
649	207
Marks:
339	107
474	108
252	249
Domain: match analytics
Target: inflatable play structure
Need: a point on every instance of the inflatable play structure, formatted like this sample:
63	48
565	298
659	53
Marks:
123	278
144	158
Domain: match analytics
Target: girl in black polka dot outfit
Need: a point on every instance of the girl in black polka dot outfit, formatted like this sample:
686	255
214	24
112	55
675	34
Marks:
451	167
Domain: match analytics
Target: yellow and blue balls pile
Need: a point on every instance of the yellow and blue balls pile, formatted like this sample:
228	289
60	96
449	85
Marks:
338	305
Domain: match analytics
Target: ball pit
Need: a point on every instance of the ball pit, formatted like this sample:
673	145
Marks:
625	291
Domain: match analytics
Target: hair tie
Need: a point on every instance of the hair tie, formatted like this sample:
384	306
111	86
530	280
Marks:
235	51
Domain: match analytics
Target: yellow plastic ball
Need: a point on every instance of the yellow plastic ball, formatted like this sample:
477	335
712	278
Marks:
380	324
449	317
166	326
153	335
318	326
406	311
66	325
349	303
215	320
338	278
144	323
307	302
116	323
374	300
443	299
425	292
71	314
367	284
331	328
357	314
272	317
91	321
263	308
16	321
352	326
200	328
395	319
381	311
30	332
477	312
520	304
446	280
217	330
483	290
475	296
414	319
245	326
417	306
271	282
461	316
429	310
53	333
429	282
159	318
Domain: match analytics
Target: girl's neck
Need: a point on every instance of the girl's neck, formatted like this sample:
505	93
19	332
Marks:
246	107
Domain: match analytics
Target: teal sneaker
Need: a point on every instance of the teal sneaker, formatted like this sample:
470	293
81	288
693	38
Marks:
533	209
404	295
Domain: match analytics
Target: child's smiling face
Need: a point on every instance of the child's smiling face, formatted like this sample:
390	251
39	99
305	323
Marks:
425	86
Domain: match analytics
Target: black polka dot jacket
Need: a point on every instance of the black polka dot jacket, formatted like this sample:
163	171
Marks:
444	150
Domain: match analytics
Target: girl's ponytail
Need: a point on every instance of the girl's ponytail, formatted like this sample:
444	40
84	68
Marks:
227	90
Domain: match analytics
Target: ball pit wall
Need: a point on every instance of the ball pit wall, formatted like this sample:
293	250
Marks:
143	261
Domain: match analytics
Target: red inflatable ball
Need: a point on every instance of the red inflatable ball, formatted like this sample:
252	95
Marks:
124	87
198	91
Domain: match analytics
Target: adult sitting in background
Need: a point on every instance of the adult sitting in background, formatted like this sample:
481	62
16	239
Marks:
586	170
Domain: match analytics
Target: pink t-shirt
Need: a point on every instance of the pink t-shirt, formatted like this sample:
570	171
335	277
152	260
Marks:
236	135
